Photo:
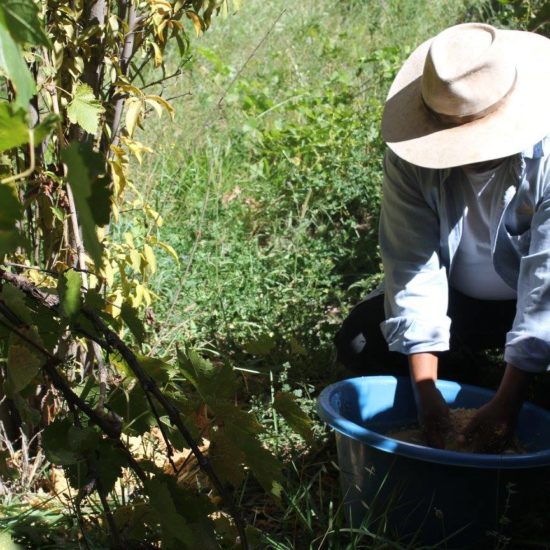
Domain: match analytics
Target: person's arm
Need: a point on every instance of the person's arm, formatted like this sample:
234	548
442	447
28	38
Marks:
415	278
492	428
433	412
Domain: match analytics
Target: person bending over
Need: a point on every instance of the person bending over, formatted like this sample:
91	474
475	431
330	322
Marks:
465	222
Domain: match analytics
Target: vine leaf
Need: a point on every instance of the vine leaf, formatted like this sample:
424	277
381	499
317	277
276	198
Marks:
109	463
10	213
213	382
130	317
14	130
24	363
56	443
69	293
19	25
242	429
45	128
6	542
21	19
172	523
83	166
85	109
226	458
15	300
13	66
297	419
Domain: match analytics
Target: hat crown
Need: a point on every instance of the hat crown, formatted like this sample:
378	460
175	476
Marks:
467	72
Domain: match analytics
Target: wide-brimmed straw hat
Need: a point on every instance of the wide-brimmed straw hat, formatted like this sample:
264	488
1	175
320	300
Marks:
472	93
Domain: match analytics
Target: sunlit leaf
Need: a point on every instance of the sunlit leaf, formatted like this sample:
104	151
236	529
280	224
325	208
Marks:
85	109
22	20
134	107
69	292
150	259
14	130
13	66
6	542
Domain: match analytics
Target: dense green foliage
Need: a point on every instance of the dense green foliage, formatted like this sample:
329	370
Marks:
211	259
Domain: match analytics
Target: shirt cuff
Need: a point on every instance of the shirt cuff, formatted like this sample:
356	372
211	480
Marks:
408	336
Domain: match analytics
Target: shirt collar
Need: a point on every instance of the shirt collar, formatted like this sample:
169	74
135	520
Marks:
539	150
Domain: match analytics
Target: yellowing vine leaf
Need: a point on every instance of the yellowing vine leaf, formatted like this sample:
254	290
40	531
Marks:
197	22
150	260
134	107
158	103
85	109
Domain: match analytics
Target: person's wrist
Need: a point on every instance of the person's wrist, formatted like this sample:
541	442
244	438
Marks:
512	390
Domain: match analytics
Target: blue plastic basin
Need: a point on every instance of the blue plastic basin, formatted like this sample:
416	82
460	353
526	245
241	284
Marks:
418	493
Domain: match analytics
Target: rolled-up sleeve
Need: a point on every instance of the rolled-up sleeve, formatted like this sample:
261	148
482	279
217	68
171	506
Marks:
528	343
416	291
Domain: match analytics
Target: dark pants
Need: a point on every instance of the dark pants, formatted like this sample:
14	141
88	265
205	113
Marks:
476	325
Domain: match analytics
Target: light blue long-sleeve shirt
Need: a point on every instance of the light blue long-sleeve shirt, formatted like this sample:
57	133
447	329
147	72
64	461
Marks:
420	229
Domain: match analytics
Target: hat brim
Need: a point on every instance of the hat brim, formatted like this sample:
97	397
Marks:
523	118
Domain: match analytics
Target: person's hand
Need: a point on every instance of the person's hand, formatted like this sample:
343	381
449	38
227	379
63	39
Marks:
433	415
433	412
492	428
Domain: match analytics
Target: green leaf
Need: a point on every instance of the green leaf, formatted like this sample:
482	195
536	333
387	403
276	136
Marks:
226	458
6	542
22	21
242	430
172	523
24	361
286	405
134	519
85	109
14	130
13	66
100	200
211	381
84	166
30	417
68	288
10	213
11	207
263	345
108	464
157	369
132	320
133	408
15	300
56	445
45	128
